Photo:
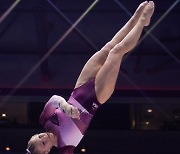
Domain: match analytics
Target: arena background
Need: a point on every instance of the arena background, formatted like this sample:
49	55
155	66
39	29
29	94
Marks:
43	47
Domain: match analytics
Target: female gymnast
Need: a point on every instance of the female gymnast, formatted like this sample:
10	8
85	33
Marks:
65	122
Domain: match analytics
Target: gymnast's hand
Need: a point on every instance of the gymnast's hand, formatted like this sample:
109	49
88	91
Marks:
72	111
67	108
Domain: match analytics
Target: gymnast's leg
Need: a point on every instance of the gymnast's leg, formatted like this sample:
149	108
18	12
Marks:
106	77
129	25
97	60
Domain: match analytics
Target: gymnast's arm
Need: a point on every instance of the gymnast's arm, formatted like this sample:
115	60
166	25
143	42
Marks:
58	102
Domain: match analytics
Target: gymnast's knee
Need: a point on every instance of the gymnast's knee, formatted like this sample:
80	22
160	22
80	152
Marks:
119	49
108	46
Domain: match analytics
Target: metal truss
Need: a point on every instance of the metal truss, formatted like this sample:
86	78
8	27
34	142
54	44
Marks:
73	26
57	43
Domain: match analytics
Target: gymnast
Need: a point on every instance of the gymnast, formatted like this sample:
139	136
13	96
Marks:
65	122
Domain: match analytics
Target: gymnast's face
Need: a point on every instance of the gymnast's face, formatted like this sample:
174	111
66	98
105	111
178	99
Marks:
43	142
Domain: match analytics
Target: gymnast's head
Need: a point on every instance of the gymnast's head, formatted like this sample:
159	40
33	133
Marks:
41	143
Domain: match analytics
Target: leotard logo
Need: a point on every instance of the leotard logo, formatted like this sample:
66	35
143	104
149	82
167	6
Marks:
94	106
54	119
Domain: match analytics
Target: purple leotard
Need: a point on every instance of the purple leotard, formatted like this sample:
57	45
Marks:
68	130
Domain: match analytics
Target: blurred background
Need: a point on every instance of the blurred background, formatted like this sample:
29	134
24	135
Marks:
142	116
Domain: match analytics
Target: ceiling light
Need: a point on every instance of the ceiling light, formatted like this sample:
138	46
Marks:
83	150
3	115
8	148
147	122
149	110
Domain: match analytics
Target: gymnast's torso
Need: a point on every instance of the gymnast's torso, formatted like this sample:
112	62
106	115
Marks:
70	131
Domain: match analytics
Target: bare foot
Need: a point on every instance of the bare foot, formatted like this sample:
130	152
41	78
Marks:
140	9
147	13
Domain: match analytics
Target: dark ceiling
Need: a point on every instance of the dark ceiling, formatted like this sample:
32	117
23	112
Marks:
33	27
